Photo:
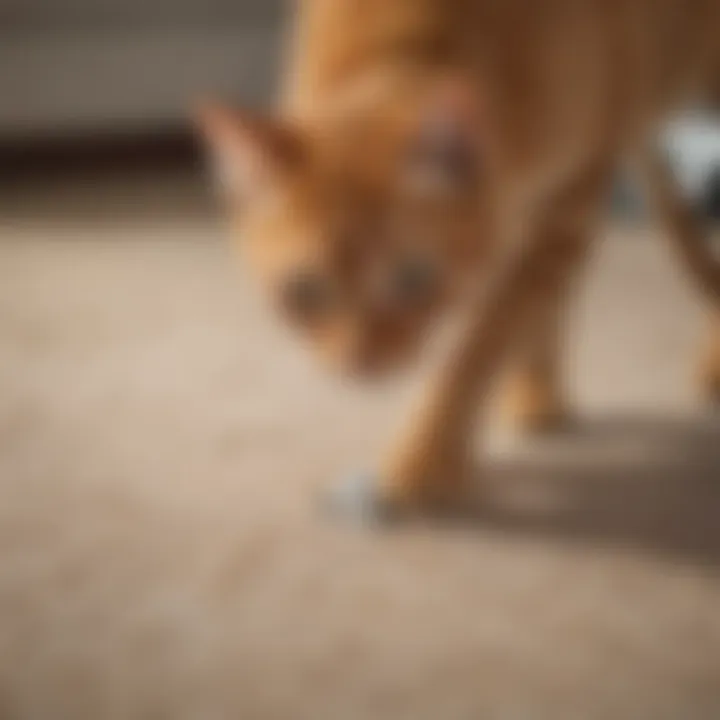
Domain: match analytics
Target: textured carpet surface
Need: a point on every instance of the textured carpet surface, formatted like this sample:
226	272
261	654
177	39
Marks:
161	447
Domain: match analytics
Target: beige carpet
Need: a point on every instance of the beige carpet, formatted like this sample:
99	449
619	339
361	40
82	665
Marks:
161	444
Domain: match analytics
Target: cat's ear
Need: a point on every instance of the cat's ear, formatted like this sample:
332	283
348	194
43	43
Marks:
248	153
445	149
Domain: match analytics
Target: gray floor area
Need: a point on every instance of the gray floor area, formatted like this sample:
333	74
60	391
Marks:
161	446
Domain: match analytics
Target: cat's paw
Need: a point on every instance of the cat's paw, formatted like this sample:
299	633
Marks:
708	372
532	409
540	422
361	499
709	383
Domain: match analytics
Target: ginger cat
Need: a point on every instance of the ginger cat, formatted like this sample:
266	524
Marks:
438	154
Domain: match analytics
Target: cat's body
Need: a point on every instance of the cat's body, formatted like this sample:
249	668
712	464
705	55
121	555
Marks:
414	136
563	79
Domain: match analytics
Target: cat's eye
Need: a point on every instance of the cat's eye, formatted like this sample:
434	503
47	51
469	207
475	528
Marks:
308	297
415	280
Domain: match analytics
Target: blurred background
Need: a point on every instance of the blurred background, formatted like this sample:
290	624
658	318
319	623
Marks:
162	443
76	68
100	87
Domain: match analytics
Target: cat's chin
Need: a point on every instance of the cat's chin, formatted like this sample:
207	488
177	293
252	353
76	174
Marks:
376	376
378	373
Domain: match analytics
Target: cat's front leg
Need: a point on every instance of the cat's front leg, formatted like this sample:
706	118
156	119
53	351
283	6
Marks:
424	481
430	467
534	390
709	371
429	470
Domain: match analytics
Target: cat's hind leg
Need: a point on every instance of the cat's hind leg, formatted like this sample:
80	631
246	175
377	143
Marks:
534	393
692	244
709	369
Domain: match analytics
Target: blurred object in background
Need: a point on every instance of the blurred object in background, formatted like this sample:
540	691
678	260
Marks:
102	85
713	196
97	94
89	66
694	144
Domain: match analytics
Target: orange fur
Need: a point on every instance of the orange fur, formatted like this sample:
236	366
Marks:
419	140
710	365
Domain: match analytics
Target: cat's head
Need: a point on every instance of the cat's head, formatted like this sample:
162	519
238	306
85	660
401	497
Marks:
362	230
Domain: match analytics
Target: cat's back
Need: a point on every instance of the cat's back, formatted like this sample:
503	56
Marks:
336	40
566	72
674	46
659	41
